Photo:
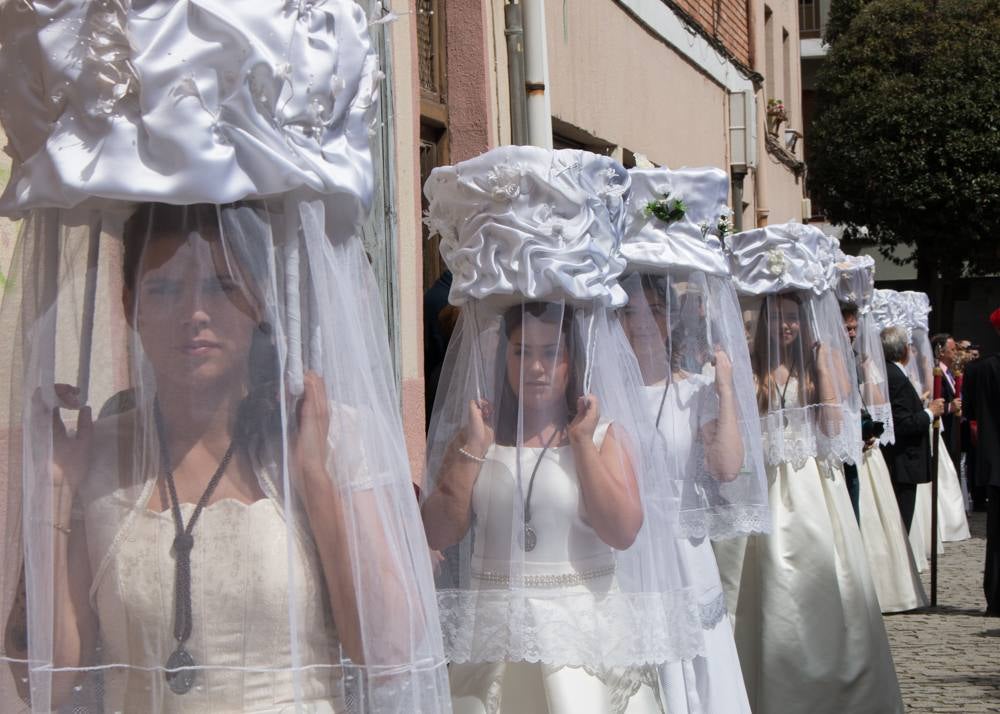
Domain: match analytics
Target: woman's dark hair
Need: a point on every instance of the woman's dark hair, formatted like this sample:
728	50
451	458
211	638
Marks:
507	405
685	347
259	414
802	356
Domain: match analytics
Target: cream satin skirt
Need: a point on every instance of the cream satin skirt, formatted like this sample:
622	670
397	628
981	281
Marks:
808	626
952	522
537	688
893	569
951	502
920	529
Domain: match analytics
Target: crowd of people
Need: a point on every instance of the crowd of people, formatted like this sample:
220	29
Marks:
670	469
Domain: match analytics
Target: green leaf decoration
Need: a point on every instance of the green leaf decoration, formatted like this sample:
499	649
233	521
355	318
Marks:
666	209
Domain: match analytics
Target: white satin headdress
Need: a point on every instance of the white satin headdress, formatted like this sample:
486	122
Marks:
186	101
918	309
783	257
523	223
856	281
652	244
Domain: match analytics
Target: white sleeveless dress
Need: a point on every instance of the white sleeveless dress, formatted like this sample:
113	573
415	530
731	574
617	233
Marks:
808	626
714	682
566	546
241	584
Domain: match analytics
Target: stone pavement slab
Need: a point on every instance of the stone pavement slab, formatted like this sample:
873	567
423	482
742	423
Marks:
948	657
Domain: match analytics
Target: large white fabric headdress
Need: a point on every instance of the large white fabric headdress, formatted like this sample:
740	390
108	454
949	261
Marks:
682	317
783	257
523	223
910	311
186	102
192	176
697	197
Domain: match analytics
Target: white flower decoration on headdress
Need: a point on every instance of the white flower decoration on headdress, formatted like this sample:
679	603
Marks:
776	262
505	182
813	272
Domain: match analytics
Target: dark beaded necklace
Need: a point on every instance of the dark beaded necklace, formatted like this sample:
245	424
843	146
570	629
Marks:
180	672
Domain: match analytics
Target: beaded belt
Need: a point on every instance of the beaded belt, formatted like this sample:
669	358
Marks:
557	580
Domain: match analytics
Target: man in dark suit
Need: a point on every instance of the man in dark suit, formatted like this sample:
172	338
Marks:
946	352
981	390
909	458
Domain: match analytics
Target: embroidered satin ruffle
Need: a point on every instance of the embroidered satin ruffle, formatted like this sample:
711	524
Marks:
194	101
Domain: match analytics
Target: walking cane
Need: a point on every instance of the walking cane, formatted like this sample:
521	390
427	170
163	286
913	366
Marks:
934	491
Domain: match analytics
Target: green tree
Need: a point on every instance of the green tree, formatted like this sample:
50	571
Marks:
905	145
842	12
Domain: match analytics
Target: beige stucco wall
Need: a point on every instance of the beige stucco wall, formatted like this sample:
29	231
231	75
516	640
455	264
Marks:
776	192
619	82
615	80
406	99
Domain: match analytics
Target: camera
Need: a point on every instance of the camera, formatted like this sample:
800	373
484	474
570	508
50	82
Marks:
870	429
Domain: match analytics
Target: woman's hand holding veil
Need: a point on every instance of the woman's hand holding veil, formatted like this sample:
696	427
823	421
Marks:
70	453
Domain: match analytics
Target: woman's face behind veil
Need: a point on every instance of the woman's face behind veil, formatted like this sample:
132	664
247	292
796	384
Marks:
646	316
193	315
784	315
538	356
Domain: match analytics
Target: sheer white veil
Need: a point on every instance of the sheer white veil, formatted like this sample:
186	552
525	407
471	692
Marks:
531	237
682	317
856	291
807	394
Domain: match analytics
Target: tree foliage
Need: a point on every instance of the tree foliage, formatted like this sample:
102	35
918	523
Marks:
906	140
842	12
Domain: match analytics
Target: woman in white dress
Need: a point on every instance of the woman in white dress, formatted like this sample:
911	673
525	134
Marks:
808	626
207	505
560	589
683	324
893	568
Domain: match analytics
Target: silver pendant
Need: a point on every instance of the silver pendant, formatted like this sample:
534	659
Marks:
180	675
530	538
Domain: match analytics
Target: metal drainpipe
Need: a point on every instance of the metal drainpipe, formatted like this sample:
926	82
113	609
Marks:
738	200
536	70
514	31
757	49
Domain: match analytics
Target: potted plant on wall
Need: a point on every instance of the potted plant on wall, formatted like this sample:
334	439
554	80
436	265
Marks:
776	115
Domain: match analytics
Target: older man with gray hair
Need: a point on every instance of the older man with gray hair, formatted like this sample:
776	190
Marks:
909	458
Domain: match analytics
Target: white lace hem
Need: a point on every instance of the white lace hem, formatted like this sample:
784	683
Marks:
593	629
795	435
724	522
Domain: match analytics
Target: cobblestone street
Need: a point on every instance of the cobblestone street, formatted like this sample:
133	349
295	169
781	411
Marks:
948	658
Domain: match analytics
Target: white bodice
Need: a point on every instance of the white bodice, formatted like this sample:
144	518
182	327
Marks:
565	540
245	575
691	402
242	582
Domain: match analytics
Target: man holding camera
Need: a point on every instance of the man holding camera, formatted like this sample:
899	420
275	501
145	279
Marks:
909	458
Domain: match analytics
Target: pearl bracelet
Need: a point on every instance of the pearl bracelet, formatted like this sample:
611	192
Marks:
469	455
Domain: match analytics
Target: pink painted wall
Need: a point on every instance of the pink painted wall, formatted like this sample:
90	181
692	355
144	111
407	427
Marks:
470	96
